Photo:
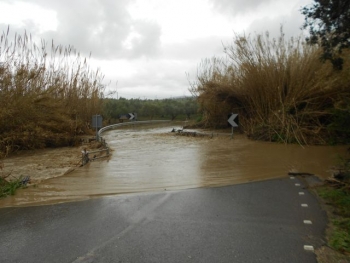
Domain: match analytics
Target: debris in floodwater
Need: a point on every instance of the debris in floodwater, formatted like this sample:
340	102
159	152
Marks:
25	180
178	130
299	173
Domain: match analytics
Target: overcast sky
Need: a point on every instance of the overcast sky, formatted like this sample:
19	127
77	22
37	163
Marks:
148	46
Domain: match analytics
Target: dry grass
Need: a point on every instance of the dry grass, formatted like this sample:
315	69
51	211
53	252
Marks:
280	88
47	94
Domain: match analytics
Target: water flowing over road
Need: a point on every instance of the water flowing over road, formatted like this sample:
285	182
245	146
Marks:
152	158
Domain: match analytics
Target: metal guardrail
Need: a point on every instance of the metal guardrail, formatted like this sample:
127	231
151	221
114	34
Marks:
113	126
85	156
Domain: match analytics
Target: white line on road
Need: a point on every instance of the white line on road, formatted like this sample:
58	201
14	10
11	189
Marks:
297	184
304	205
307	222
309	248
301	193
292	177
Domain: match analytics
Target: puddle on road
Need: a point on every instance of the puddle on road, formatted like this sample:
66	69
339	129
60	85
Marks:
153	159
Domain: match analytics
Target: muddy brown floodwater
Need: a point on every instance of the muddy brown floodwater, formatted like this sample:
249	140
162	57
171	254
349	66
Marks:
151	158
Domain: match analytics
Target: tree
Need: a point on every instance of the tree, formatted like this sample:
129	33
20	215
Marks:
172	108
151	109
329	24
189	107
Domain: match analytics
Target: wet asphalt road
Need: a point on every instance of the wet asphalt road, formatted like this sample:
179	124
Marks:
255	222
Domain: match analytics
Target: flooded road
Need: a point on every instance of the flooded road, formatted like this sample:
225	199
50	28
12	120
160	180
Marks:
151	158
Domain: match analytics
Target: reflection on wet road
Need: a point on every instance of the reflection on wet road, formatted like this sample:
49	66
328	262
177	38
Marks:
150	158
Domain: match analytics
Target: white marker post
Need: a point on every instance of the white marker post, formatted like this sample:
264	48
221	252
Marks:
97	123
231	120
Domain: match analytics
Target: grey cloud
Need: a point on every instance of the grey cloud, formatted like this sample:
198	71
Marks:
196	49
291	25
167	76
100	27
148	40
234	7
164	76
29	26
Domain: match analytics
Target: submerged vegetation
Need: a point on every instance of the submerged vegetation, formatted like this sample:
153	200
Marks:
9	187
47	94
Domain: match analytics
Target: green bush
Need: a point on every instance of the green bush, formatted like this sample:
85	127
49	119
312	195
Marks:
9	188
340	238
339	198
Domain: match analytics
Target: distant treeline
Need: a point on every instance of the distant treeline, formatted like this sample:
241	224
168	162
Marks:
185	108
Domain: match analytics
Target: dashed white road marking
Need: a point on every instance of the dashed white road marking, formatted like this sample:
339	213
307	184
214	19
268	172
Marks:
292	177
307	222
309	248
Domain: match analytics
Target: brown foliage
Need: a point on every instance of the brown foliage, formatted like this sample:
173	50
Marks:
281	90
45	98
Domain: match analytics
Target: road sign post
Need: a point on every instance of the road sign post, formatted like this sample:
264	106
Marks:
132	116
96	123
233	120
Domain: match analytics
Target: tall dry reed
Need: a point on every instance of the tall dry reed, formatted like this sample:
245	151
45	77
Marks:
48	93
279	87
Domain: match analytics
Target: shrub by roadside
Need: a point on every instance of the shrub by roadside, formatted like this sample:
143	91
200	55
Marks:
9	187
335	196
339	202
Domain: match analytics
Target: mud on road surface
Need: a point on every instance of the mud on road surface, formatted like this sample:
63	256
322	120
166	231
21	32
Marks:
152	158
